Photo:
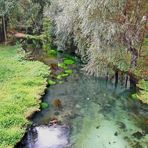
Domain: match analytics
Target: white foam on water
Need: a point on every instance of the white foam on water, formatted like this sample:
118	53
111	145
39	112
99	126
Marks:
51	137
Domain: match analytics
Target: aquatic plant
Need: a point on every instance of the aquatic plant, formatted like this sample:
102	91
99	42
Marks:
134	96
44	105
51	82
61	75
52	52
61	82
62	65
68	71
68	61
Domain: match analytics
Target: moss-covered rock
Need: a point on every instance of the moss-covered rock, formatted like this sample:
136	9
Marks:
44	105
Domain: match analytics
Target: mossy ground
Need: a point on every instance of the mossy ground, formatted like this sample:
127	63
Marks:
21	85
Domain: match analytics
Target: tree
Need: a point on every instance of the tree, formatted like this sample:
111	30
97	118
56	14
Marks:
5	9
103	30
26	15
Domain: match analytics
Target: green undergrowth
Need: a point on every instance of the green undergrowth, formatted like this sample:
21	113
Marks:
21	85
142	94
142	74
142	70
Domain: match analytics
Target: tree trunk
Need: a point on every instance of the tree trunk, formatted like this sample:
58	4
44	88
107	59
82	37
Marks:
134	57
107	78
126	80
132	82
4	28
116	78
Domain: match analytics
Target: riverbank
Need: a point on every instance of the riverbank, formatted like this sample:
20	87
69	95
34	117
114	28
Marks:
139	73
22	83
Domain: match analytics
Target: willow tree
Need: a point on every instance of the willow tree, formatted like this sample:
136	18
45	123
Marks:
103	30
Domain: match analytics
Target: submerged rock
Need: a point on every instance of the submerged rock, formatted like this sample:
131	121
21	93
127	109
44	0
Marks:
116	134
53	121
88	99
98	127
56	113
78	106
138	135
121	125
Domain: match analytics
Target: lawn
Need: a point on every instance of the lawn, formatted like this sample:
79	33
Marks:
21	85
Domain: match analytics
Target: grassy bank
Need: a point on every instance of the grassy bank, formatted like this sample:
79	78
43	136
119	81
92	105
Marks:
21	85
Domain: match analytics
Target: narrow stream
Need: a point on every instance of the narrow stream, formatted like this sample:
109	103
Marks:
93	115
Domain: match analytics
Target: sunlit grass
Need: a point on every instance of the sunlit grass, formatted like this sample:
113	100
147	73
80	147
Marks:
21	85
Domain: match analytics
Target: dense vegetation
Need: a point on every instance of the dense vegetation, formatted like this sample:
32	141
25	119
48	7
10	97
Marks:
21	85
110	37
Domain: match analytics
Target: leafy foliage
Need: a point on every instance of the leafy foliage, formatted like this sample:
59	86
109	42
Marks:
143	85
142	94
100	29
51	82
68	61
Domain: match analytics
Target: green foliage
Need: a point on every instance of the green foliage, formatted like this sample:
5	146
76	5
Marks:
61	75
142	84
51	82
44	105
47	33
61	82
143	93
68	71
62	65
21	84
69	61
40	42
7	6
52	52
134	96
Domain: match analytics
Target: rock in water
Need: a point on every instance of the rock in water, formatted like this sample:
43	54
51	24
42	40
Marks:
57	103
138	135
88	99
78	106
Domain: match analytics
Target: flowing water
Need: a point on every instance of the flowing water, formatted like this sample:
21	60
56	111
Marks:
93	115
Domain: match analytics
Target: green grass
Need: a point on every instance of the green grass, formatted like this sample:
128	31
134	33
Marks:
21	86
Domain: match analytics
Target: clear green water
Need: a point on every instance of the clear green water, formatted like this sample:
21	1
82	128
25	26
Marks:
97	114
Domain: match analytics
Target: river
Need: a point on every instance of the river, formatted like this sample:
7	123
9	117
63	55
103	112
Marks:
93	114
